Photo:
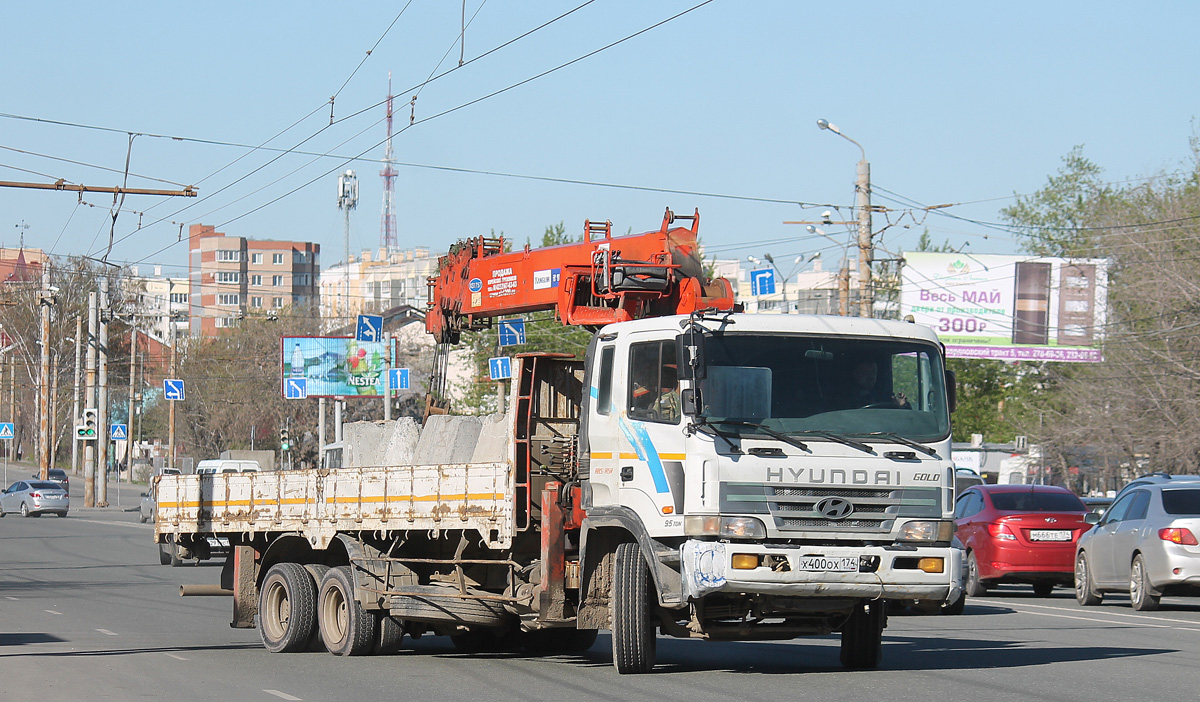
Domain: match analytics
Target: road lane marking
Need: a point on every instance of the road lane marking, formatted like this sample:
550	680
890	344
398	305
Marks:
281	695
1109	621
1115	614
107	632
172	655
11	598
53	612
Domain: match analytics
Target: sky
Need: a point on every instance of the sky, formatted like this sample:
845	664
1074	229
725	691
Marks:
599	114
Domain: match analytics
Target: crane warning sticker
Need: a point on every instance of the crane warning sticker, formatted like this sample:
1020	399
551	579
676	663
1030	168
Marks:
502	283
546	279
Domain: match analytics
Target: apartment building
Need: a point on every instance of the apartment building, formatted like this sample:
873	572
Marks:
375	282
231	277
157	300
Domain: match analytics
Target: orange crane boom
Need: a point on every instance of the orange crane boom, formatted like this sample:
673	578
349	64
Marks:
597	281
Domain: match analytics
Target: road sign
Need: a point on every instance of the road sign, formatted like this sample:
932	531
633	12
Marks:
500	368
173	389
370	328
762	282
397	378
7	431
118	431
512	332
295	388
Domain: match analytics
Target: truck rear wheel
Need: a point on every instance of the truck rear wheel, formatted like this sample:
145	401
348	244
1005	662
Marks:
164	558
633	642
287	608
346	628
390	637
862	636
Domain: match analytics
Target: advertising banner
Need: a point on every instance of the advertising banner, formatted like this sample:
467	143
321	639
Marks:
334	366
1011	308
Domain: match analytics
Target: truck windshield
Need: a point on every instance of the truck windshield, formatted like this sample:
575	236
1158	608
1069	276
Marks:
847	386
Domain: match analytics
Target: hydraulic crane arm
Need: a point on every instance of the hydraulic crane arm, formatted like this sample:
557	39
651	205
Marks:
597	281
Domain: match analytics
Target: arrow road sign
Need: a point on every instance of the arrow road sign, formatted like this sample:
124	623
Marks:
295	388
762	282
7	431
512	332
500	368
397	378
173	389
370	327
118	431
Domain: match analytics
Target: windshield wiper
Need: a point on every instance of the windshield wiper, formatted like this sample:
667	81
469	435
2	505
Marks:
834	437
769	432
700	427
901	440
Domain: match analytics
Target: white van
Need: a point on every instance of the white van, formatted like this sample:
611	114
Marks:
212	466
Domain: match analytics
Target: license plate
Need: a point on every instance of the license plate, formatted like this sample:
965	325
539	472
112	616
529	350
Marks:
1050	535
825	564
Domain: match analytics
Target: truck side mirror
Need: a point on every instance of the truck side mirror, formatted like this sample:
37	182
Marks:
951	391
689	401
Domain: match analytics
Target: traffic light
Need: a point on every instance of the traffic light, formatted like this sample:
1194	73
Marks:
90	427
284	440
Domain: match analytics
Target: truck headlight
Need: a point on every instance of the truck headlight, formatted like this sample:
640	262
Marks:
926	530
729	527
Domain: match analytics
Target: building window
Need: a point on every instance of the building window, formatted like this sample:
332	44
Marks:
256	259
256	302
228	299
277	258
179	298
228	255
226	322
277	302
256	279
299	257
301	279
229	277
276	280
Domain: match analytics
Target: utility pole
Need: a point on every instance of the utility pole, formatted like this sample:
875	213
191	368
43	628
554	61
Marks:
321	432
171	403
89	447
53	409
47	300
132	392
75	403
387	386
862	201
347	201
102	394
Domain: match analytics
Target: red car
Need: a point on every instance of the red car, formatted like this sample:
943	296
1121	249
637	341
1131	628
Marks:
1019	534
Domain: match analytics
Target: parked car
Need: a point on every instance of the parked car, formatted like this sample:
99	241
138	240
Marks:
1146	545
212	466
1019	533
32	498
56	475
965	478
1155	479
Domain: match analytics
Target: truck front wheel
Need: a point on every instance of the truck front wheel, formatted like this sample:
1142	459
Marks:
633	643
346	628
287	603
862	636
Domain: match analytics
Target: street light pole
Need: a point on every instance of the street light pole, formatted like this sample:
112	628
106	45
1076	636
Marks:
862	189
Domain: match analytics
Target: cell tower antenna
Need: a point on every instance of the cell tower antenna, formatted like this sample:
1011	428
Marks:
387	232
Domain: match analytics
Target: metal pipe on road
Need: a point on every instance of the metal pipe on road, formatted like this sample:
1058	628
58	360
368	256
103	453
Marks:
204	591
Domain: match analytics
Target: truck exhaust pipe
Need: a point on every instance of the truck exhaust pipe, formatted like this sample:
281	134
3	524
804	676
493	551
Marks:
204	591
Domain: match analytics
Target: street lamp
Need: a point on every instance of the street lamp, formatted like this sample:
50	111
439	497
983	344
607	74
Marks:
843	272
862	188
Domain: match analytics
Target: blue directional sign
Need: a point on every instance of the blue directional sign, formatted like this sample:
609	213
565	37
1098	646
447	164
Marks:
7	431
118	431
295	388
500	368
512	332
762	282
370	328
397	378
173	389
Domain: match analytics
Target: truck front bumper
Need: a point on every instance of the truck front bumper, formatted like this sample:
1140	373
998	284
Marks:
872	572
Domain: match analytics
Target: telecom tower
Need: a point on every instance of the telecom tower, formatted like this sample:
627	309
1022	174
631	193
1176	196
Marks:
387	232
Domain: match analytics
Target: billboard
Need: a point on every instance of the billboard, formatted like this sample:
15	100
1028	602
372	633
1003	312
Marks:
334	366
1010	308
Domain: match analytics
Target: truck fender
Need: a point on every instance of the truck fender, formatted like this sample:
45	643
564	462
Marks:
601	532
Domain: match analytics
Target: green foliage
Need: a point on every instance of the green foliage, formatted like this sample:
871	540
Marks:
1055	220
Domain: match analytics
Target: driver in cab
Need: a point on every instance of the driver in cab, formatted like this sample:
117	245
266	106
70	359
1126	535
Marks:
865	391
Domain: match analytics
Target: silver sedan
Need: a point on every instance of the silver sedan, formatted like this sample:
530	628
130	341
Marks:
1145	544
33	497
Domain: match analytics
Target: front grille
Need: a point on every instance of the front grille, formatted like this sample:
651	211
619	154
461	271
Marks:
794	507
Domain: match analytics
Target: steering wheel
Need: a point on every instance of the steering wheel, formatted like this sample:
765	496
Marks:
880	405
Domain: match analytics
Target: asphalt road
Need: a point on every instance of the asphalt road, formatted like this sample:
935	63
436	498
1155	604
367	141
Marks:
86	613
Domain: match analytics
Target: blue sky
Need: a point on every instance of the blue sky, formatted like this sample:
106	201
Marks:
953	103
